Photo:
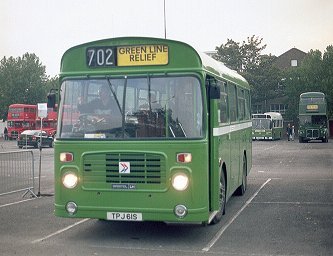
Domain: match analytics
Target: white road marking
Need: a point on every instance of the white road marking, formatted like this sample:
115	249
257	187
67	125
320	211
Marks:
224	228
59	231
18	202
270	147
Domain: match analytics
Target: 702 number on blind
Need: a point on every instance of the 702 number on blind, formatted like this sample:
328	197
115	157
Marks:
101	56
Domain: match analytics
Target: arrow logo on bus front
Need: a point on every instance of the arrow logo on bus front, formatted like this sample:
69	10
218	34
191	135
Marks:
124	167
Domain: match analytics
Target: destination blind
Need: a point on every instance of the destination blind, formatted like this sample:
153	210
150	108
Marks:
137	55
312	107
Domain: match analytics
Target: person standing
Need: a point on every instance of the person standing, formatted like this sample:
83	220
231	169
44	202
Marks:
289	131
292	133
5	132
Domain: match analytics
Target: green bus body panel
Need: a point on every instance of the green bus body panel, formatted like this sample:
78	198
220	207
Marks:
265	134
322	107
95	195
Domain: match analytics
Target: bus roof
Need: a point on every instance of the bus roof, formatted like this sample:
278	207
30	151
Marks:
312	95
274	115
312	103
20	105
268	115
184	58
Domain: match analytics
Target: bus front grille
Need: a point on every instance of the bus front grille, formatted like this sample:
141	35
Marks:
312	133
141	168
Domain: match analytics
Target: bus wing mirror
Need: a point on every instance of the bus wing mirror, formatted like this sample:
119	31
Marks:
214	92
51	100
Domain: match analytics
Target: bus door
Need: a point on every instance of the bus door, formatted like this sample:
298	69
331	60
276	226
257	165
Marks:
219	139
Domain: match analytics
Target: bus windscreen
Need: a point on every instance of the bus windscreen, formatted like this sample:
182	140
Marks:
132	107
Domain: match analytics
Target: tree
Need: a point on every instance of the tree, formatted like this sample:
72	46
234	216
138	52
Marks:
230	55
251	53
241	57
258	69
265	80
314	74
328	77
22	80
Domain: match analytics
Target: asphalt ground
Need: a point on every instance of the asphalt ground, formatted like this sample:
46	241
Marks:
287	210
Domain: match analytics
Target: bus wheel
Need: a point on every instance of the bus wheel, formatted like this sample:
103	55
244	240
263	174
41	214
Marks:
222	199
242	188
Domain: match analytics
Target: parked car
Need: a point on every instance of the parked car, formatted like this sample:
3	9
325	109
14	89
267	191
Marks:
33	138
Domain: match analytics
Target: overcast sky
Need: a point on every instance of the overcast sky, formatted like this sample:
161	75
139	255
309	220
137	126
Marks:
49	27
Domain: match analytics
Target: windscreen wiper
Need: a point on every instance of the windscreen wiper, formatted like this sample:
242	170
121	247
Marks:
114	95
124	102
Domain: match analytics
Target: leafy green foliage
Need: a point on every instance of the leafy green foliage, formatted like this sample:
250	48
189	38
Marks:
258	69
23	80
241	57
230	54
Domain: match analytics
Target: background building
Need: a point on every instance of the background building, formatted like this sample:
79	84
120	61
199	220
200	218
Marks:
288	60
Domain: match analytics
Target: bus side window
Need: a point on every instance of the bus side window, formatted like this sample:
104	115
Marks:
232	102
223	103
247	105
241	104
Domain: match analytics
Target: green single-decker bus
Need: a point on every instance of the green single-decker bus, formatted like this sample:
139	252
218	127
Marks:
149	129
267	126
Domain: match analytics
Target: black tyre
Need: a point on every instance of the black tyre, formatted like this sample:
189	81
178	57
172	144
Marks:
222	199
242	188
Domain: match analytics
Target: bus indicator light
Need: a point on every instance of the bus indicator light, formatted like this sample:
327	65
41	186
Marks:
184	158
66	157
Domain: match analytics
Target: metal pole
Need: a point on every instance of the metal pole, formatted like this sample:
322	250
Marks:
40	156
164	20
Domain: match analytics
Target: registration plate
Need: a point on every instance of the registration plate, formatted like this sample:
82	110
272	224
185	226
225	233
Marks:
124	216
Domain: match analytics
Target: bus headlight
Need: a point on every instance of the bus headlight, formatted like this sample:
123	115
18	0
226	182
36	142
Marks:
69	180
180	181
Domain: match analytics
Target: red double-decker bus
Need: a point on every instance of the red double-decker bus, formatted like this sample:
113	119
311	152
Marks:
21	117
49	122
